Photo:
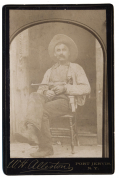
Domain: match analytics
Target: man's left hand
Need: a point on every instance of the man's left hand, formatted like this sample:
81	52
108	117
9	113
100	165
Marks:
59	89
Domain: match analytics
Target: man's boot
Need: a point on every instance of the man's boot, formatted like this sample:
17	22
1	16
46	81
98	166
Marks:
28	135
43	152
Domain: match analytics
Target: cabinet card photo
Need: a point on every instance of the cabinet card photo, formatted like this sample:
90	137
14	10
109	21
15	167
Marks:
58	89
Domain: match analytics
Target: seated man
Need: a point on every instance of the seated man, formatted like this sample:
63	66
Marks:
51	99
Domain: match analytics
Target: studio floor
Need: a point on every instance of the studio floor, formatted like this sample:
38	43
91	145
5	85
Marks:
23	150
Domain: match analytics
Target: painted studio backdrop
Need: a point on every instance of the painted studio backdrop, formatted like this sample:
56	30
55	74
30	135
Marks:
29	60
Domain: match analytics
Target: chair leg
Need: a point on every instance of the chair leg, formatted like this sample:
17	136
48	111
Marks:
72	135
76	132
77	140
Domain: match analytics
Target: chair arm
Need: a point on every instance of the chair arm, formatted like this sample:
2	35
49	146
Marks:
73	102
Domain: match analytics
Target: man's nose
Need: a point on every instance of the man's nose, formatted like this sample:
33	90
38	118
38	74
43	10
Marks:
61	52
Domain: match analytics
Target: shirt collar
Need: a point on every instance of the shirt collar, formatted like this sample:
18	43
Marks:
58	64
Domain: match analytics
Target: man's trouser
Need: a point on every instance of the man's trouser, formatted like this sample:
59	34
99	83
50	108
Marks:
40	110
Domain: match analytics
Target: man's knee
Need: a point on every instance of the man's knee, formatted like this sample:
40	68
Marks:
36	96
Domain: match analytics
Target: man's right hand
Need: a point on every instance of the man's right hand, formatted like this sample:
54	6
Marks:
49	93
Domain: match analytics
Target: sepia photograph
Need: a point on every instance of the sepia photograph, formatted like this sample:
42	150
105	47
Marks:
56	72
58	85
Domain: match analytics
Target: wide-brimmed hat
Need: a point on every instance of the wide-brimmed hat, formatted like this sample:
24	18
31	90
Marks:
61	38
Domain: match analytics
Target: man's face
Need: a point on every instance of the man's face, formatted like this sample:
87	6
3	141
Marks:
61	52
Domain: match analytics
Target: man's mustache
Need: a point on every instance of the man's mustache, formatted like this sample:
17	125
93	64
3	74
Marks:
61	56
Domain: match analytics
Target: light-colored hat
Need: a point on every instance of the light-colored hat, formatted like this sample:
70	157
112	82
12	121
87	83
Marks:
61	38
